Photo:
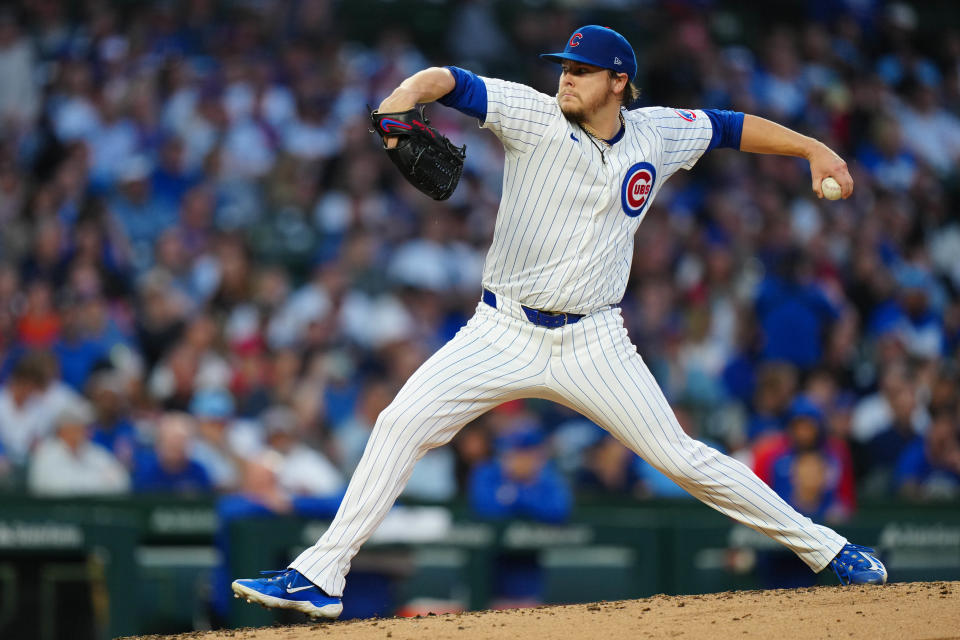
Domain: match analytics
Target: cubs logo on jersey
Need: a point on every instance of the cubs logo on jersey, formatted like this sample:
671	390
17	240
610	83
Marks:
686	114
637	187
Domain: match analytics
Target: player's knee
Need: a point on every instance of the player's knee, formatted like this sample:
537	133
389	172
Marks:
688	459
710	467
395	416
406	423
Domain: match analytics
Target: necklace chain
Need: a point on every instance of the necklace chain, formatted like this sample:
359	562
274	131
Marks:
596	136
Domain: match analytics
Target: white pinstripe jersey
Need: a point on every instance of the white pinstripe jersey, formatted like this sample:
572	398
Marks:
563	239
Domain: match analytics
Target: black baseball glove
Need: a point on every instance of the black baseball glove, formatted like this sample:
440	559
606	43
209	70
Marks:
424	156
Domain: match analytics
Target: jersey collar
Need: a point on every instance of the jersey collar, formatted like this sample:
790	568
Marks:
615	139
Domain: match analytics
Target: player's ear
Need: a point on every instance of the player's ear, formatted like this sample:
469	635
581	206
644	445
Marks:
618	81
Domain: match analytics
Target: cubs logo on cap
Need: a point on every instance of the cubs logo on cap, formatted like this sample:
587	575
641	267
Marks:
637	187
599	46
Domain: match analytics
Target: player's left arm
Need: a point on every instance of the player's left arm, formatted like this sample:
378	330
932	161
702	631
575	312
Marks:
763	136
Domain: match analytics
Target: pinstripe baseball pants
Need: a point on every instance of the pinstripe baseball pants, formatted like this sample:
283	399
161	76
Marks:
591	367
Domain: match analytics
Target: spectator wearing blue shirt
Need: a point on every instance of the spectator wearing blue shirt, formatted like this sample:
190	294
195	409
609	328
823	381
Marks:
812	488
794	312
886	447
167	468
930	468
887	159
260	495
112	427
213	410
77	352
819	485
140	214
171	179
774	391
520	482
912	316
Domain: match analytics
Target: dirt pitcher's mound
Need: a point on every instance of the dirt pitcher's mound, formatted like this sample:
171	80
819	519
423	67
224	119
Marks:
904	611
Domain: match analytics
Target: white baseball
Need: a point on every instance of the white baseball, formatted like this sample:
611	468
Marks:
830	189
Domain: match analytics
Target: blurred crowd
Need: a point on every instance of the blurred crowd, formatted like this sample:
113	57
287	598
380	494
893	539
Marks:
212	280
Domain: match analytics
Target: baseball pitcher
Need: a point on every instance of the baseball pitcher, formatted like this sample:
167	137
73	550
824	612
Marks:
581	171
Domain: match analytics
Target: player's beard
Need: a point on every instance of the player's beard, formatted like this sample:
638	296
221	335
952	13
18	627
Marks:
579	115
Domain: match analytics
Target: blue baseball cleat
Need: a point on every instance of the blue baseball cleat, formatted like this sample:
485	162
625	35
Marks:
857	565
288	589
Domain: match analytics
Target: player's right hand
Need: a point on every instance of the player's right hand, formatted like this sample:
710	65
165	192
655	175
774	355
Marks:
824	162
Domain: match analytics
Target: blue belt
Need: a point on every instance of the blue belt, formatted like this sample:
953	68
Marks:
547	319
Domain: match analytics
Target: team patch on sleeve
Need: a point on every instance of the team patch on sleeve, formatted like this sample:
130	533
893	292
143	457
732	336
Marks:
686	114
637	187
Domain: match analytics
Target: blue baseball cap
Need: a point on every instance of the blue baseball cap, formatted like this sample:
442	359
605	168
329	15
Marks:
599	46
803	407
212	404
526	436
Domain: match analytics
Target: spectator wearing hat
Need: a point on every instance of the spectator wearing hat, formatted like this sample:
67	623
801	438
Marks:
911	316
139	212
520	482
169	467
304	470
813	473
68	463
213	410
808	468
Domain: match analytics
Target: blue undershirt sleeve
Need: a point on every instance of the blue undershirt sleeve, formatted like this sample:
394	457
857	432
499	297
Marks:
727	128
469	96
